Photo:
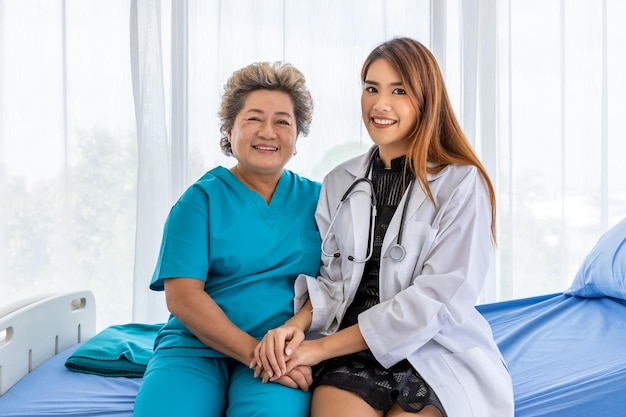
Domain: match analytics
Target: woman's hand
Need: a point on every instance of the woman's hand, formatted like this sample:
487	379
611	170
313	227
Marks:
301	377
309	353
270	355
312	352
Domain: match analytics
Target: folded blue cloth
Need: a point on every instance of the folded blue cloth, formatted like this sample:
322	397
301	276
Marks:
121	350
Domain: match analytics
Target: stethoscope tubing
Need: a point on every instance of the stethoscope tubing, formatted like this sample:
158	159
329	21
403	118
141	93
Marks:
344	198
397	252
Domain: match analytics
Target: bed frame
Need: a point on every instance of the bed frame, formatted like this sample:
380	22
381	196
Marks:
36	329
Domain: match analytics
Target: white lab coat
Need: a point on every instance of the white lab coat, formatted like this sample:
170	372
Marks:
427	301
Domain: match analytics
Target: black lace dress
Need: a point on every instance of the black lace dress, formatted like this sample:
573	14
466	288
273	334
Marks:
360	372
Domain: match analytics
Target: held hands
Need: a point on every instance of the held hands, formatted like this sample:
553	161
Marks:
300	377
282	350
270	355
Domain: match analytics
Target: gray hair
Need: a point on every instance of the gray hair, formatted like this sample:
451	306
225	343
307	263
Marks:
277	76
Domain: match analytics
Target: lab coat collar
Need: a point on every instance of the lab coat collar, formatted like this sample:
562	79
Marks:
359	166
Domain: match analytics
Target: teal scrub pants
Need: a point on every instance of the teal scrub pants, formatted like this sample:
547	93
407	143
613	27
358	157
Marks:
213	387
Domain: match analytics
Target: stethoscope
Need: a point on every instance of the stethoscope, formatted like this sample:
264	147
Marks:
397	251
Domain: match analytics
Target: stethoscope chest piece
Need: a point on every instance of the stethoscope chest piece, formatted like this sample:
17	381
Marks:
397	252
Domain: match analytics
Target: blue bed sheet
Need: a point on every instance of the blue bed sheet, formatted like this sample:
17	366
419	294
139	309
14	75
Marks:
566	355
53	390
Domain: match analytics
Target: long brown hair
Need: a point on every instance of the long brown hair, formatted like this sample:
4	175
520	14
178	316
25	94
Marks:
437	136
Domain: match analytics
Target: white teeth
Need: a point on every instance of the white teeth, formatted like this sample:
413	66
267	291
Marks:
265	148
384	121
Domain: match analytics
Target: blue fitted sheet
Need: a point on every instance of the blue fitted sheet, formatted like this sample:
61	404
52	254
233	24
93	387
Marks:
566	355
53	390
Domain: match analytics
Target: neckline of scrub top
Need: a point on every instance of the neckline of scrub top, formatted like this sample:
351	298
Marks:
268	211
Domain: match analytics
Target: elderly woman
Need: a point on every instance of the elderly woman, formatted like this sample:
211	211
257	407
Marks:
232	247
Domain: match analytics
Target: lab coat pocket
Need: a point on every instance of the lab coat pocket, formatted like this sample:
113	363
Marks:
482	378
310	242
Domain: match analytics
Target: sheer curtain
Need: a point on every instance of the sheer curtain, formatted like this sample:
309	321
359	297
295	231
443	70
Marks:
67	152
108	111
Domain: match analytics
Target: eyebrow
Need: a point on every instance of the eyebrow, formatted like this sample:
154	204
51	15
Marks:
376	83
279	113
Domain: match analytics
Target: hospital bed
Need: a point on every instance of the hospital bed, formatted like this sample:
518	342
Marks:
566	352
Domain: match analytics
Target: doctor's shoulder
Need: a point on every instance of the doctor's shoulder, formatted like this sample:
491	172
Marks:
457	179
455	173
348	170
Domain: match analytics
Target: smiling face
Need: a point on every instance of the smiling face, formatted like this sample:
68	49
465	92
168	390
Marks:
264	133
388	113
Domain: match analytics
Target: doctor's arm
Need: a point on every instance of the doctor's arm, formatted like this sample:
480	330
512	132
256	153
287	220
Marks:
284	348
312	352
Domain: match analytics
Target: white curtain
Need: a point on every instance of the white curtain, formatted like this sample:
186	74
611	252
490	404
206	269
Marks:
108	112
154	149
68	152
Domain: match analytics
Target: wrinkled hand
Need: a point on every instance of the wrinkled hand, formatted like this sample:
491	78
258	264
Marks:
301	377
270	355
309	353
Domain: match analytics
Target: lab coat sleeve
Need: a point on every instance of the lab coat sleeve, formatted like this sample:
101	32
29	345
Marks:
326	290
443	293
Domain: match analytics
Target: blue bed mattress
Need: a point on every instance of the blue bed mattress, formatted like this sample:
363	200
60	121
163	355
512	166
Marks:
566	355
52	390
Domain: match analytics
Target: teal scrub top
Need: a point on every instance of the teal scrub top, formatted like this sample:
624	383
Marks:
248	252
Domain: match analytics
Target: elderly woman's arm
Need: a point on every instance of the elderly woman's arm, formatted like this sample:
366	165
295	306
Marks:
187	300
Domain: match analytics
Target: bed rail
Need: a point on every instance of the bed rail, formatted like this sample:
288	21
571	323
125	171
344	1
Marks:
35	329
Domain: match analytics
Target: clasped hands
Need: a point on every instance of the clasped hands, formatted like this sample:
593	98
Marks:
284	356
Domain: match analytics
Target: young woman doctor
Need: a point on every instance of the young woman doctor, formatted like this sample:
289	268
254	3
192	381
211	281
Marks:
407	233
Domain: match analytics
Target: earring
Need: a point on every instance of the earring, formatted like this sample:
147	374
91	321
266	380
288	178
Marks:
295	151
